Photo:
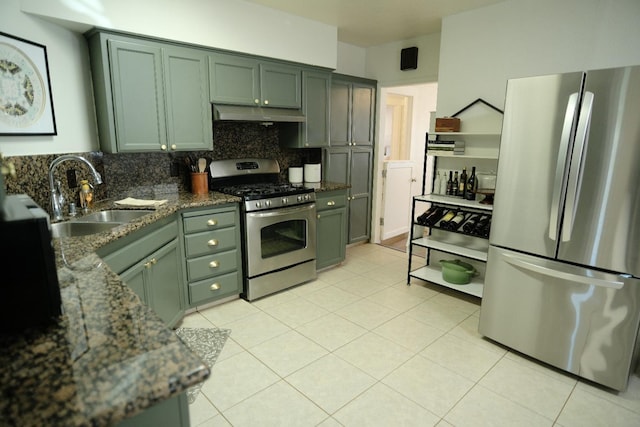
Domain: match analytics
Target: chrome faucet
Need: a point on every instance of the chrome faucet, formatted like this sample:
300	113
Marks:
57	197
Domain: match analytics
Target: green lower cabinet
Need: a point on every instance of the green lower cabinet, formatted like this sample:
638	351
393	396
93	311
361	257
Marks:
173	412
149	261
331	228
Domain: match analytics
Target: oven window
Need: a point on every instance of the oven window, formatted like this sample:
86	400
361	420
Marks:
283	237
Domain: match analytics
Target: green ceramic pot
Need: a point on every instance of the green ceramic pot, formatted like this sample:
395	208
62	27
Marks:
457	272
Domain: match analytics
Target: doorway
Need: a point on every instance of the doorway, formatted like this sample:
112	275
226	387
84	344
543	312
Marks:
404	121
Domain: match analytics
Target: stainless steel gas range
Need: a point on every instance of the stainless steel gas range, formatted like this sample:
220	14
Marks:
278	224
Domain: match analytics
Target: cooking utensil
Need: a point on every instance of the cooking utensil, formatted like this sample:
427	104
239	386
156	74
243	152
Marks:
457	272
202	164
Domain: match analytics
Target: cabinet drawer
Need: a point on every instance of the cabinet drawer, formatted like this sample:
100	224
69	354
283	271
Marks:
216	287
211	221
210	242
210	265
330	200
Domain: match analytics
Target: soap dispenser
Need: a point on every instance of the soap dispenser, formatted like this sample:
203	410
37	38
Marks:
86	195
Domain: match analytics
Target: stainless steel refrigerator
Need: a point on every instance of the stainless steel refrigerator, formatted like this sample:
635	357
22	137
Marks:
562	281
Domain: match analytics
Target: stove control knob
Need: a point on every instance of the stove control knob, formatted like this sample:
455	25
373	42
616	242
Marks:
300	198
258	205
285	200
307	197
267	203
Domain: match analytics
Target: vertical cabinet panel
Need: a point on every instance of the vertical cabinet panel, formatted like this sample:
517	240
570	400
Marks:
280	85
187	85
138	100
362	113
340	113
316	102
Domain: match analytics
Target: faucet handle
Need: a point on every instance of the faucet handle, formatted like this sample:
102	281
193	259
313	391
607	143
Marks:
60	193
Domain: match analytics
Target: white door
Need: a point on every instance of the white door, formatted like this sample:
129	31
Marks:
398	180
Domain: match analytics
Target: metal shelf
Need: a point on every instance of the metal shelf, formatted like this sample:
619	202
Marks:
430	242
434	275
453	201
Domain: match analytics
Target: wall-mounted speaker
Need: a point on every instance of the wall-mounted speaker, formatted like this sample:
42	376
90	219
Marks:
409	58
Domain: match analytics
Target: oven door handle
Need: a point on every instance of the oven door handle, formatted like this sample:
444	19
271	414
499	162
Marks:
282	211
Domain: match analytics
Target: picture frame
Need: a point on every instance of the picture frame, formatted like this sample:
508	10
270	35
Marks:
26	101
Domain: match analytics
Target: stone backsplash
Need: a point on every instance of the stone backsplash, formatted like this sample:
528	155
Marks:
126	173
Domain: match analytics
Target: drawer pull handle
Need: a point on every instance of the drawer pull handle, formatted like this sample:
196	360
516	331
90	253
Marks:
214	264
215	287
213	242
212	222
331	203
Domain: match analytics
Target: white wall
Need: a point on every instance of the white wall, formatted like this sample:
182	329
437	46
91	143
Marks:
483	48
351	60
228	24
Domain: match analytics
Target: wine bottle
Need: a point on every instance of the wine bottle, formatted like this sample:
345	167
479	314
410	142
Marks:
462	185
443	184
446	218
455	222
423	218
450	184
455	184
470	224
436	184
486	229
480	225
435	216
471	185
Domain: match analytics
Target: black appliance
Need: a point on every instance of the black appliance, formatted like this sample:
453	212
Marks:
29	289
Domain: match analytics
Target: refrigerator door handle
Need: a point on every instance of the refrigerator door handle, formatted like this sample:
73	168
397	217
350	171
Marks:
518	262
577	162
565	139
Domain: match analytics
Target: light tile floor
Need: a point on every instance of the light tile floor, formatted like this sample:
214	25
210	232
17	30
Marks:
358	347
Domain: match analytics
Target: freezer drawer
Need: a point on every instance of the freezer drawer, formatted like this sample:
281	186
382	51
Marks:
580	320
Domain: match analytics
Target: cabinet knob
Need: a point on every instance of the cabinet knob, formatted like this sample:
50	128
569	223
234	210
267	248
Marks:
331	203
213	242
413	180
174	146
153	261
256	101
163	147
212	222
214	264
266	102
215	287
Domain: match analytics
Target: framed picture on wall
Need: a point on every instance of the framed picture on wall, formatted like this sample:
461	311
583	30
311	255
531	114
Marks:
26	104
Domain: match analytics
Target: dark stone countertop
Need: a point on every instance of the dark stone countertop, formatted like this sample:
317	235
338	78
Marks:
108	356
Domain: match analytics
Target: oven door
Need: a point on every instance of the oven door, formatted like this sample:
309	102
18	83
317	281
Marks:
280	238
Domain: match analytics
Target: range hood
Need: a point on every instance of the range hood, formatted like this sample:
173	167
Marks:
256	114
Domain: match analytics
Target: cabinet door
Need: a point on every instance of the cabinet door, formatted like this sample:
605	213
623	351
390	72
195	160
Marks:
361	163
340	113
316	98
280	86
134	277
331	237
164	283
188	108
138	96
234	80
337	165
362	112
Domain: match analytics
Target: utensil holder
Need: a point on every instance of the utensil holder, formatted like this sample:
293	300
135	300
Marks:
199	182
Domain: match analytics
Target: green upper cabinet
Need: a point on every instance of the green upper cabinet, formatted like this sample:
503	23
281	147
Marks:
149	96
189	124
352	112
240	80
316	100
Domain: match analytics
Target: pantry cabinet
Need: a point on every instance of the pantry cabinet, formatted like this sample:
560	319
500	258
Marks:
331	228
150	96
440	243
243	80
349	158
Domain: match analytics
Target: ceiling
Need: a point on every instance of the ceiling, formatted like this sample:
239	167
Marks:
368	23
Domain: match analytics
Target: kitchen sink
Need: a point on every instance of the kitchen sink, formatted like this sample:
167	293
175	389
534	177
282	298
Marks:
75	228
114	215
